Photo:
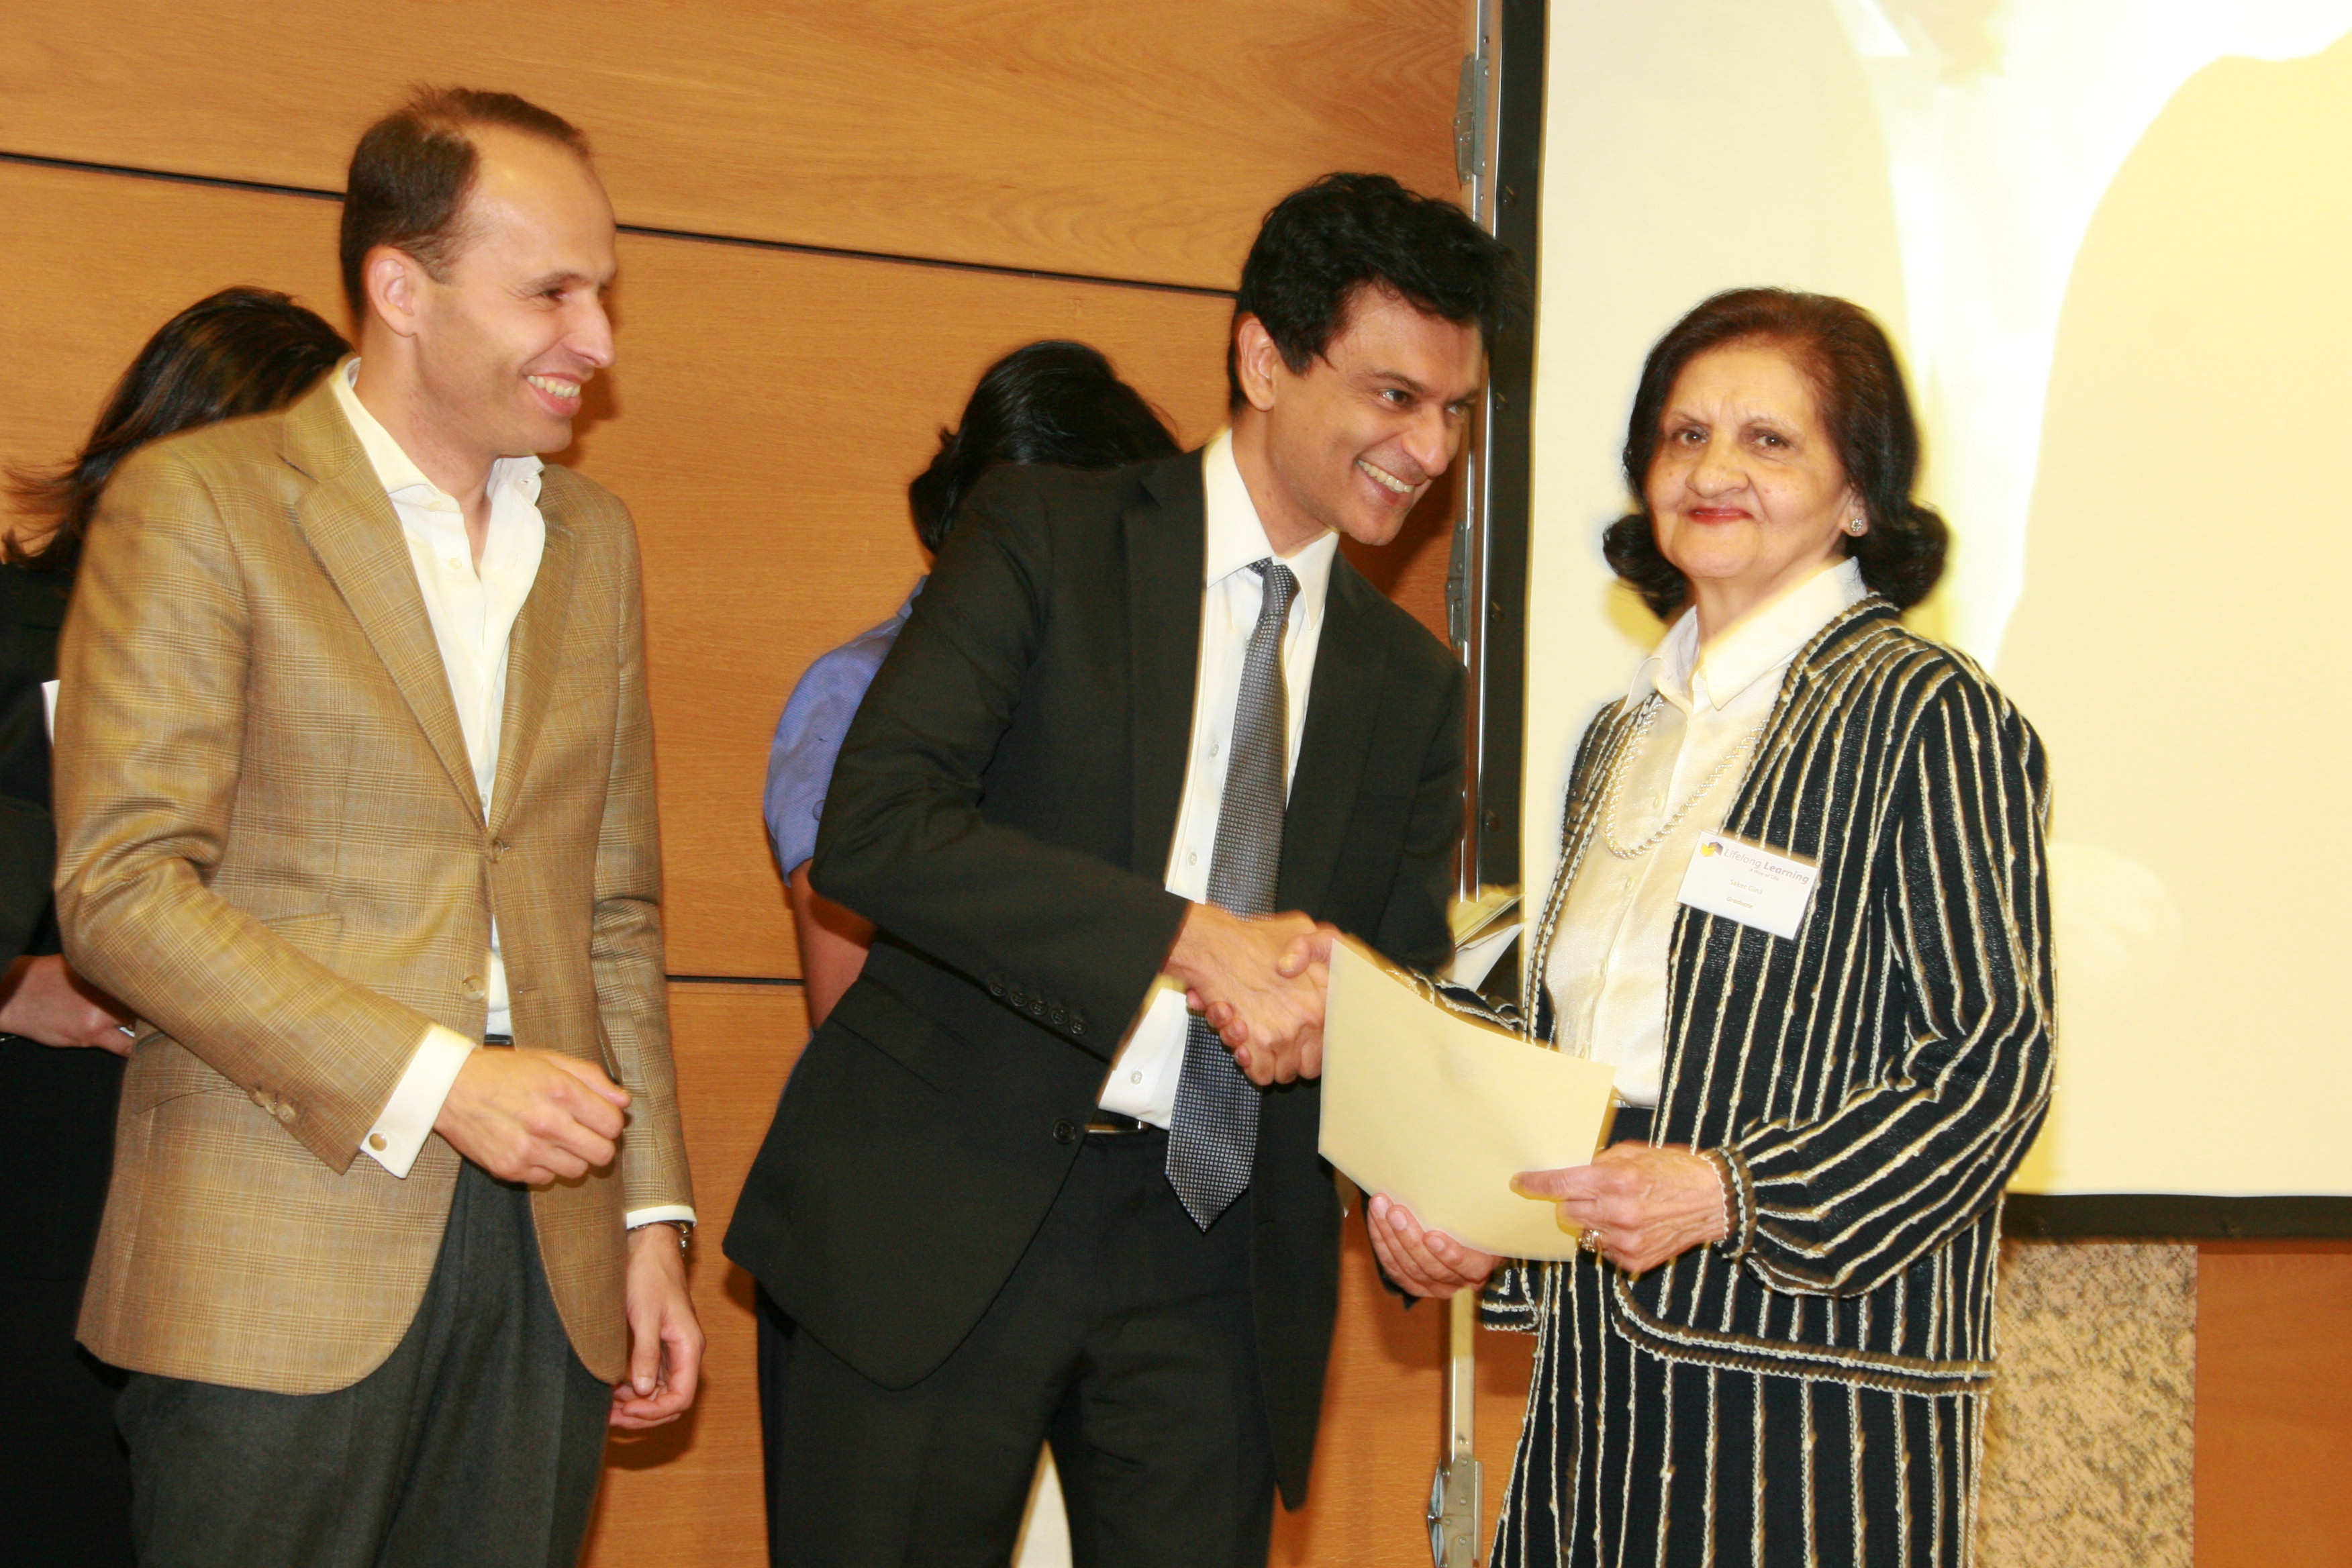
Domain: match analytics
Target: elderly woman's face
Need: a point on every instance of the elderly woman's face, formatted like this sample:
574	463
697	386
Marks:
1746	491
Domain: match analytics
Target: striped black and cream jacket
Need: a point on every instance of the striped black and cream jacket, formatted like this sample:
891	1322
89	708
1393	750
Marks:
1870	1085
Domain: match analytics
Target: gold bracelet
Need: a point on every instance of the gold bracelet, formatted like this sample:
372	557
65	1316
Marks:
1722	1163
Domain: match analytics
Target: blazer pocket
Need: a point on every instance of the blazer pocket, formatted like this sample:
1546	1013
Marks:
879	1018
316	935
162	1069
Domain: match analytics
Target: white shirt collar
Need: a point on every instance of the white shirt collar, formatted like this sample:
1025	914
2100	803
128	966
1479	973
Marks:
1765	641
1236	539
398	473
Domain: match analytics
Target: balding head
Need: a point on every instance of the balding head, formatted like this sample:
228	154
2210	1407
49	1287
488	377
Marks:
414	169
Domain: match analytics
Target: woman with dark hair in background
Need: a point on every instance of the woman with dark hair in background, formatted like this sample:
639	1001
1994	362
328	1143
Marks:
1775	1347
1053	401
64	1488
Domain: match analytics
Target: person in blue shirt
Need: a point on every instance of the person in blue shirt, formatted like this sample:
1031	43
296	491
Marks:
1053	401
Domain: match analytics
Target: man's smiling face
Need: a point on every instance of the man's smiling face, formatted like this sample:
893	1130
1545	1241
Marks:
1355	439
510	335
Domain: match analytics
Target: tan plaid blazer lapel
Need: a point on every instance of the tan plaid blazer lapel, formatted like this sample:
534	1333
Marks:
534	652
352	527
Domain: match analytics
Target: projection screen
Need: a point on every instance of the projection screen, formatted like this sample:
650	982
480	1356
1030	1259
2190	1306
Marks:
2113	239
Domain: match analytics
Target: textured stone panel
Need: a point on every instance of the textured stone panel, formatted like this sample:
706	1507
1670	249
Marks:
2090	1447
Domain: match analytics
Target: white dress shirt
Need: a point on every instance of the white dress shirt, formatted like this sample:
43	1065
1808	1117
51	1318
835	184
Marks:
1607	975
1143	1076
472	610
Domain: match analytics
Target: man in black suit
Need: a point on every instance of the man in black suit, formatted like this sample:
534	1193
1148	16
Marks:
1014	1190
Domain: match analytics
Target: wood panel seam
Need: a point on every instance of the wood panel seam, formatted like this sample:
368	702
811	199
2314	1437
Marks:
734	979
313	193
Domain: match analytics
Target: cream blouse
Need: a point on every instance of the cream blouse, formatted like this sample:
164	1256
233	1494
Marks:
1607	975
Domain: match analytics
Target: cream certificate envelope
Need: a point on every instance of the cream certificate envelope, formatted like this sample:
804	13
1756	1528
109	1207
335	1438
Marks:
1440	1112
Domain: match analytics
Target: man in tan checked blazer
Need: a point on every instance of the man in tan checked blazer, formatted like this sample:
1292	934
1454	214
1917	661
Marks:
354	789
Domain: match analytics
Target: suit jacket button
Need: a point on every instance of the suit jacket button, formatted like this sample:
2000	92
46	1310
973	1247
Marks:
473	988
497	849
1078	1026
1066	1132
996	989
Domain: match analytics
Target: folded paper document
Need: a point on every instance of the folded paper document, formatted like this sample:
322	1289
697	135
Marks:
1440	1111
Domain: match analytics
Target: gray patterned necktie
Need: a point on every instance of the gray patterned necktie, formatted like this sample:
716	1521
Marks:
1212	1131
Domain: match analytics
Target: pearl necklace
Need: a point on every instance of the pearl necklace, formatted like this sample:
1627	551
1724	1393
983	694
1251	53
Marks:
1617	771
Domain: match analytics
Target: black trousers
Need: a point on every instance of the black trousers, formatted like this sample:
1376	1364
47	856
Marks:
65	1487
477	1444
1124	1337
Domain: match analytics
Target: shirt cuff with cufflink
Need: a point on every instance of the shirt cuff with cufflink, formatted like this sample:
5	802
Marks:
399	1133
408	1118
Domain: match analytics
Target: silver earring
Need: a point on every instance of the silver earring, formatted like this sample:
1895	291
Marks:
1858	526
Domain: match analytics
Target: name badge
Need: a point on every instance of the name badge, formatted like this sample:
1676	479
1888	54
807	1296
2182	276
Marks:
1734	878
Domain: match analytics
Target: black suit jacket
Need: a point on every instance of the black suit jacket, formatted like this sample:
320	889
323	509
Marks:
1003	810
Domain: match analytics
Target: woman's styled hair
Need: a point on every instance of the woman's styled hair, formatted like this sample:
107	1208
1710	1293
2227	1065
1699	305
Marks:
241	351
1843	355
1322	243
1052	401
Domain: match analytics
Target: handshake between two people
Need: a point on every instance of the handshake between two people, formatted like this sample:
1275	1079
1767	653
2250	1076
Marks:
1261	985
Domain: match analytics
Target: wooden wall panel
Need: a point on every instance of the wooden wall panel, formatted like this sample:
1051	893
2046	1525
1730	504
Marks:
1383	1426
1117	137
765	413
90	267
769	408
2273	1428
691	1492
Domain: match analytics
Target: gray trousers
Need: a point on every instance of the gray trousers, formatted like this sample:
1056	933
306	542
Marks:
478	1443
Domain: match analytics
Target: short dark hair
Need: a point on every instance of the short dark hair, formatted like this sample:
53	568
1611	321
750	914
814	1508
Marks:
241	351
1319	246
413	168
1844	355
1051	402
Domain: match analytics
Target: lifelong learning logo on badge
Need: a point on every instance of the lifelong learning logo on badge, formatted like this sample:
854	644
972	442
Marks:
1749	884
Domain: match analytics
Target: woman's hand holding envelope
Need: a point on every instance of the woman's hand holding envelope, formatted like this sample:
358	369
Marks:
1645	1203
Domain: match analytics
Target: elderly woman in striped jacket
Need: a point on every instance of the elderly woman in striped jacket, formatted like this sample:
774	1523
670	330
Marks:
1777	1348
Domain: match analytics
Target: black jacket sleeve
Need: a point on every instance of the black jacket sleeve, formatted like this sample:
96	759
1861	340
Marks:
904	840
